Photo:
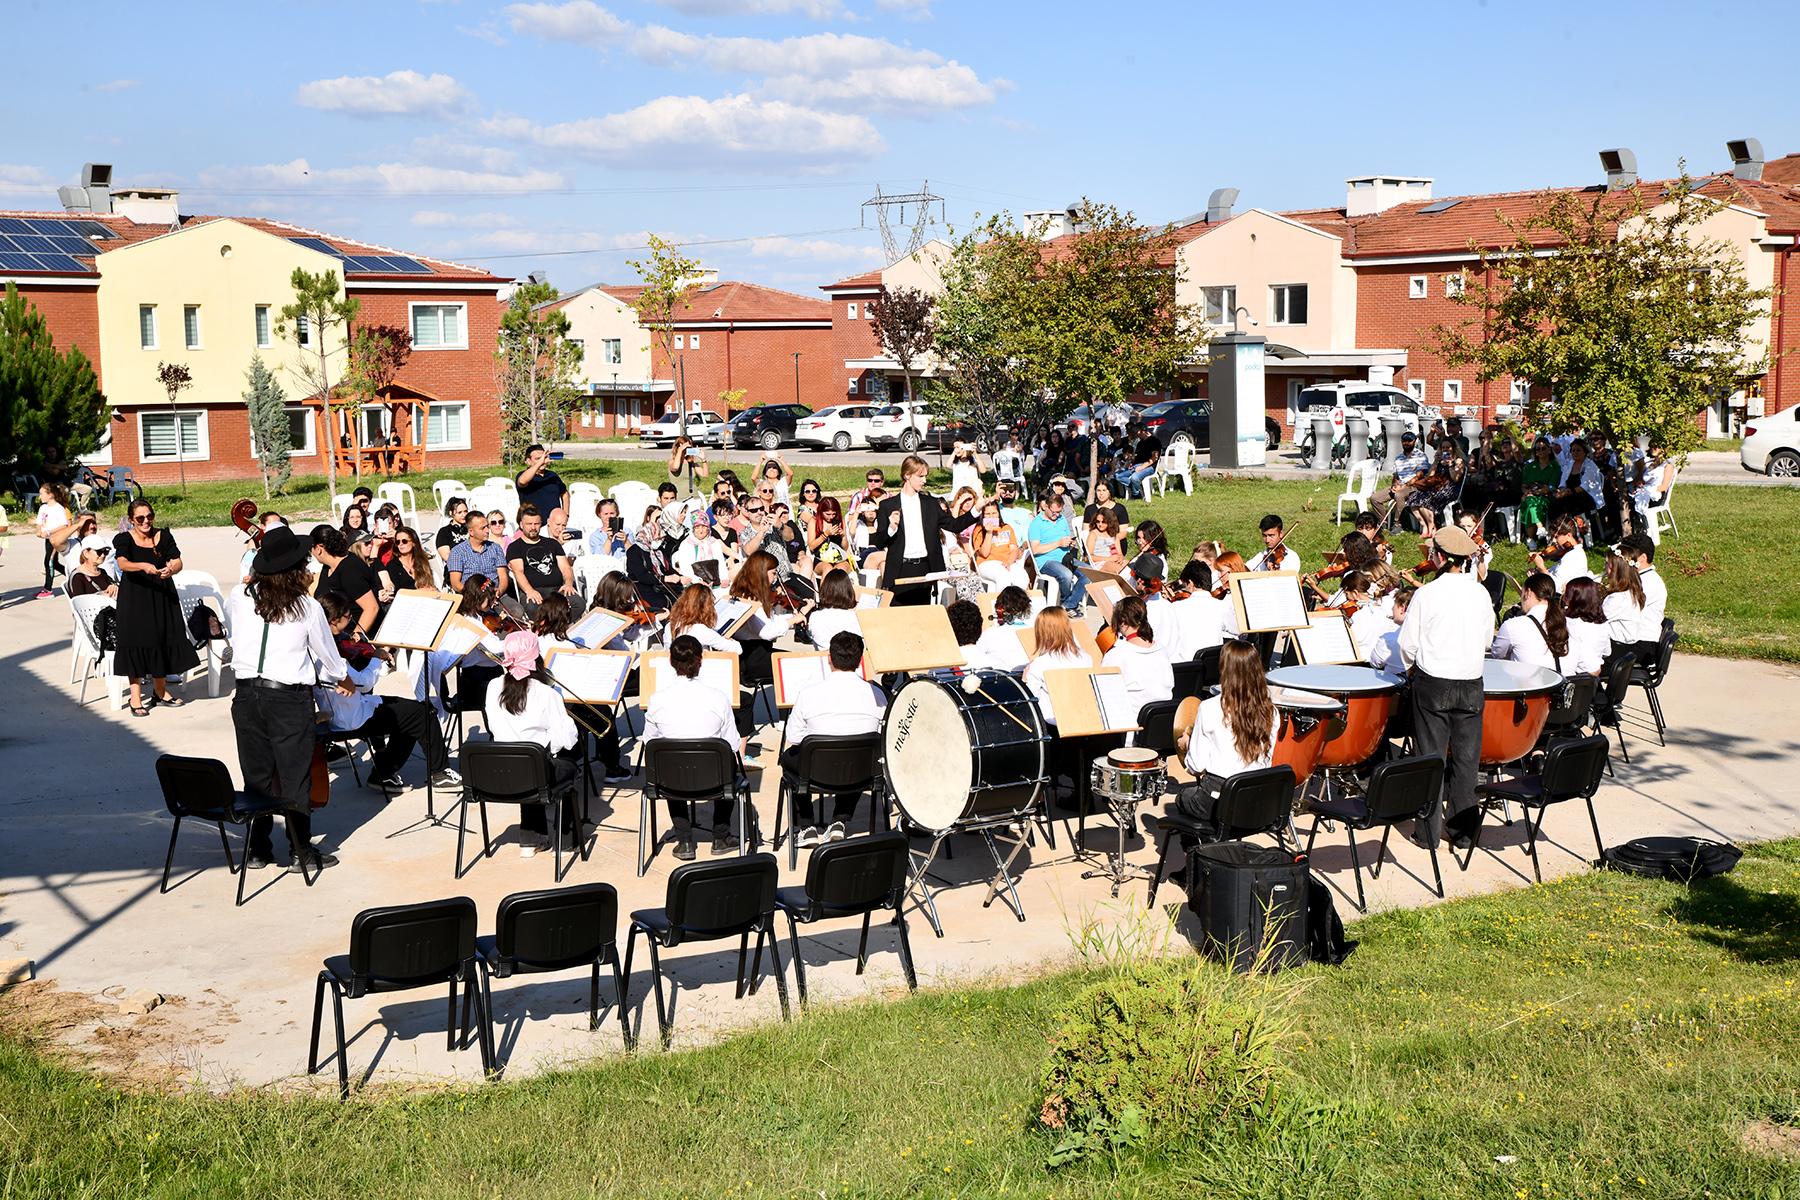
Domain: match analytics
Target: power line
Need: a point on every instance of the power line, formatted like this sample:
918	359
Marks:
535	192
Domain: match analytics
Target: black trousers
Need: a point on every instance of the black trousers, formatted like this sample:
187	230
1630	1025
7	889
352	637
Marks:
1200	800
534	818
843	805
1447	720
1576	505
275	752
684	829
404	724
52	564
912	593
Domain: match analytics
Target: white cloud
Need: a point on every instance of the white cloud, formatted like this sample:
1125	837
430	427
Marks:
441	151
486	32
916	10
117	85
814	251
693	133
15	179
428	219
818	10
906	90
298	175
581	22
401	93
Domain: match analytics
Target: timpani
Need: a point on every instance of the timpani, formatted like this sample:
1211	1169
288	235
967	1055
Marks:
1367	696
1308	721
1518	699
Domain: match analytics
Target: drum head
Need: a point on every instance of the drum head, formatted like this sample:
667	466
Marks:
929	762
1133	756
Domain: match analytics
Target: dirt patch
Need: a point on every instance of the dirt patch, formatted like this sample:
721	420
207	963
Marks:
1764	1136
153	1051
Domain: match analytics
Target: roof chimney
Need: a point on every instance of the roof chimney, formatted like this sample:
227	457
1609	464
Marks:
1368	194
91	196
1621	168
1218	205
147	206
1746	158
1049	223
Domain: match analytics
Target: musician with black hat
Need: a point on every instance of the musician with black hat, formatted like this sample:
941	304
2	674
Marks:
287	650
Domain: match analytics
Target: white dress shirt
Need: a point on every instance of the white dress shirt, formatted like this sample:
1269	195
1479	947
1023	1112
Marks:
1290	561
1569	568
1384	655
838	705
708	637
1368	625
1002	648
912	529
687	708
1196	623
1589	644
544	721
1521	640
298	651
1656	604
1034	676
346	713
1145	669
1623	617
826	623
1448	627
1211	747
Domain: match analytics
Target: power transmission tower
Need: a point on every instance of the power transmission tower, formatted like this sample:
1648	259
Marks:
921	200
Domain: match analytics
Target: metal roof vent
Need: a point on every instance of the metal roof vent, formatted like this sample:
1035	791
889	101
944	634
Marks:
1218	205
1746	158
538	277
91	196
1621	168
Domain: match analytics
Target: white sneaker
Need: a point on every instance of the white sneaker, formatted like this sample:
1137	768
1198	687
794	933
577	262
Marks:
622	775
836	832
807	837
530	844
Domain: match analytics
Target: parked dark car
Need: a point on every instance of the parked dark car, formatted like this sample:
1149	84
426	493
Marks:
1190	421
767	425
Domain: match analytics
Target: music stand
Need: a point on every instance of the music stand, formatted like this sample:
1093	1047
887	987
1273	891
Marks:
908	639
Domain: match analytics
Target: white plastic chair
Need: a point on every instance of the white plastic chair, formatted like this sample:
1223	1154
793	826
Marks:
195	588
443	489
1361	487
400	495
632	497
590	569
339	503
87	650
485	499
1657	513
1177	462
503	482
584	499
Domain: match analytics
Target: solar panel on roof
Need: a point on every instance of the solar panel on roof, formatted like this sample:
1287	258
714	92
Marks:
49	228
72	245
62	262
1440	206
13	260
33	245
408	266
366	262
319	244
92	229
13	225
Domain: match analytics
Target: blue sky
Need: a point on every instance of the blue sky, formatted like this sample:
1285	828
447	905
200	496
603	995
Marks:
512	134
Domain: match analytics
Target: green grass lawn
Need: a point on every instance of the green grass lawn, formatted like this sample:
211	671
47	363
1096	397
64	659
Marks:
1612	1036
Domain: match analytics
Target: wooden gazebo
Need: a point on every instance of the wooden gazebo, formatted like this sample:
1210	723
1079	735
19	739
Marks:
409	415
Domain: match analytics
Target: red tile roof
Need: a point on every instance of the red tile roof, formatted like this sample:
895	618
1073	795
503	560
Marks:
737	301
1782	170
867	279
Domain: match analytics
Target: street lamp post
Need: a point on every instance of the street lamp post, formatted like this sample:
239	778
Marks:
615	399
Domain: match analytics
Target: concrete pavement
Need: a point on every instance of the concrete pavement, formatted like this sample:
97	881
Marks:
83	833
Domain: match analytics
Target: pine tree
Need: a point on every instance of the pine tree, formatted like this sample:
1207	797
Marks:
48	399
269	426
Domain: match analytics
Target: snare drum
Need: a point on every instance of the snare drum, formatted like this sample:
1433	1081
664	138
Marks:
962	751
1367	695
1518	701
1129	774
1308	721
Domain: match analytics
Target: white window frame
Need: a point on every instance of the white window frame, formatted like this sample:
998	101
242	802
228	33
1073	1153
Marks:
310	425
612	351
681	341
1453	391
264	327
155	341
194	339
1417	388
1418	287
693	341
462	325
203	452
1227	304
303	330
1284	290
853	387
850	310
1520	392
463	444
1453	286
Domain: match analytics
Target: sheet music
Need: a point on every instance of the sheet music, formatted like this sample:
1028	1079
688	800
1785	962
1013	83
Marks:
461	635
868	599
1271	602
590	678
1327	640
799	672
1112	591
1116	709
599	627
413	621
715	673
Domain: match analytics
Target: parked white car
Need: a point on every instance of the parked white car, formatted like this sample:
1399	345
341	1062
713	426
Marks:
839	428
1370	401
900	425
664	430
1772	445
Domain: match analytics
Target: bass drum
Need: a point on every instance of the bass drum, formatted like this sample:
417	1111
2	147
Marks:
964	750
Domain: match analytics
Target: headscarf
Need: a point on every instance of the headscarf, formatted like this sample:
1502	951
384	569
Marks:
520	654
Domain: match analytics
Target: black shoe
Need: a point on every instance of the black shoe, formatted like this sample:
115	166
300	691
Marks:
686	849
336	752
389	782
1465	841
255	862
314	864
1417	838
724	843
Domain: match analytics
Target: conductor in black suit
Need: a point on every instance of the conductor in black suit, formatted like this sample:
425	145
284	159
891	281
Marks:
909	529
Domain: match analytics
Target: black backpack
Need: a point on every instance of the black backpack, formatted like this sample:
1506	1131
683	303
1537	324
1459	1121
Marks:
1325	941
1238	890
203	626
106	628
1679	858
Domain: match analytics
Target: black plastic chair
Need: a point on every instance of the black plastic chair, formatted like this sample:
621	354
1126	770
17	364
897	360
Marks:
1608	707
1402	790
830	765
1251	802
201	788
1188	676
692	771
707	901
845	879
398	949
1157	721
1575	711
1572	771
513	773
347	739
1650	676
557	930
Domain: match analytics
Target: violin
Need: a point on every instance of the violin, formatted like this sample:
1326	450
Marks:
243	515
1555	553
1105	638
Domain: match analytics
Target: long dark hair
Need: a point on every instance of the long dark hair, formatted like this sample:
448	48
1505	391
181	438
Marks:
279	598
1581	601
514	691
837	591
752	582
1153	533
1130	611
418	563
1556	626
1249	710
553	616
474	591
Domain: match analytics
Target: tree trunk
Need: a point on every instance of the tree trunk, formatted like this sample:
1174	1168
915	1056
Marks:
325	415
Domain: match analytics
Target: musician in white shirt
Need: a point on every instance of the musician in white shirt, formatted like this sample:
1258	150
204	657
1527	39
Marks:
1198	621
286	651
1233	732
1141	662
1056	649
1276	554
523	706
1444	639
1001	645
840	705
1539	635
1589	642
684	707
835	611
1384	653
1641	552
395	724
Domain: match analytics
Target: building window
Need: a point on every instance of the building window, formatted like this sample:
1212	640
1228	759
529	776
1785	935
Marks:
609	351
190	325
301	421
1521	391
158	434
1417	388
850	310
693	341
448	427
853	387
439	327
679	340
1417	288
1453	286
1287	304
262	326
1452	391
1218	304
303	330
147	326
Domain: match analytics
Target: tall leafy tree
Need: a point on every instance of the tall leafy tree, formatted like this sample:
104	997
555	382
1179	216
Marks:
537	362
176	379
48	398
312	323
1635	323
902	325
670	280
985	279
267	406
377	353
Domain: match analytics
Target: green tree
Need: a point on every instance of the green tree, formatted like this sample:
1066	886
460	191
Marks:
310	323
48	398
902	325
267	406
1636	322
670	280
537	362
377	352
986	276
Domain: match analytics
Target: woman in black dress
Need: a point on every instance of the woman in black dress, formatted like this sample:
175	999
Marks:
151	637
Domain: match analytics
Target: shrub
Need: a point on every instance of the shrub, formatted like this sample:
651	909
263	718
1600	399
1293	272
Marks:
1164	1046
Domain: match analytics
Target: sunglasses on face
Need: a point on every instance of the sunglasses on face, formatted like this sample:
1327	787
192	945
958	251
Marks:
755	512
144	518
